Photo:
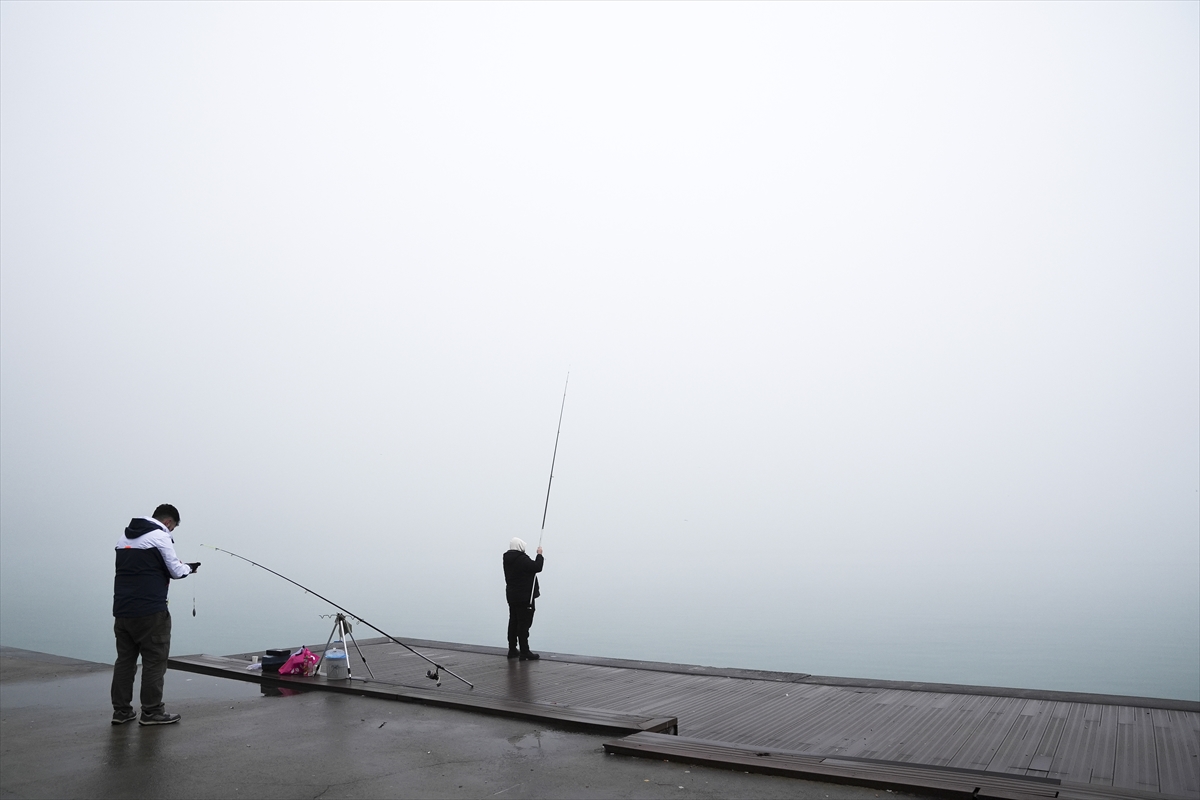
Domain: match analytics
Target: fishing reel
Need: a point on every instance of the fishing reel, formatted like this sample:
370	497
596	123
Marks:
435	675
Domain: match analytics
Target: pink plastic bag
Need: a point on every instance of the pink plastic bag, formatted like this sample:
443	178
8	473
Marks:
302	662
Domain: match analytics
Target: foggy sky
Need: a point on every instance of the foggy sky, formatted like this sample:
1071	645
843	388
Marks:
881	319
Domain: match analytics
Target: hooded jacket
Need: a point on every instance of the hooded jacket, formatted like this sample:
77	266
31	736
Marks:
146	562
520	576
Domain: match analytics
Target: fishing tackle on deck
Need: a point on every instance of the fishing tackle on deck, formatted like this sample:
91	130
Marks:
431	674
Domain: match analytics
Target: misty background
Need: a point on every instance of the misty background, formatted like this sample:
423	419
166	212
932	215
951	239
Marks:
882	323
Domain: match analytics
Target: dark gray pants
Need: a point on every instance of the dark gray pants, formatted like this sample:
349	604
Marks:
520	620
149	637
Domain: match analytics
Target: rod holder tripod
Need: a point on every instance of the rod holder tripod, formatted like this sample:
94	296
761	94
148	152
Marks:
342	629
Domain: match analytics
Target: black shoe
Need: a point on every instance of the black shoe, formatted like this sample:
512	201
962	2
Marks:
513	652
161	718
529	656
121	717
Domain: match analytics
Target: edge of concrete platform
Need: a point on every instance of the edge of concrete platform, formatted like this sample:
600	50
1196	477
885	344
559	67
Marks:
47	658
18	664
1165	703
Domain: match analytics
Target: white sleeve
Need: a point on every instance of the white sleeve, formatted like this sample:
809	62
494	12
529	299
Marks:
177	568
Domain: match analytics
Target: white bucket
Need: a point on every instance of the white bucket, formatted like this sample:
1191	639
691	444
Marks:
337	668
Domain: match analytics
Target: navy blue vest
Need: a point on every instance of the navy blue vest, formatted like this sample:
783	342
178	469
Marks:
140	588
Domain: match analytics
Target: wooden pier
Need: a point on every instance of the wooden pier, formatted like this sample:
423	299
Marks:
968	741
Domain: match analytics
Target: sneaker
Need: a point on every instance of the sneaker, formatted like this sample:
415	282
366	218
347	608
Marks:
529	656
121	717
162	718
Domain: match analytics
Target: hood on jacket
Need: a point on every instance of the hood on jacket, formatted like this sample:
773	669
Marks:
139	526
516	544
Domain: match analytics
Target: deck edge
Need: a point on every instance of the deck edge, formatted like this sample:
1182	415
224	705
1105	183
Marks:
946	781
1165	703
594	719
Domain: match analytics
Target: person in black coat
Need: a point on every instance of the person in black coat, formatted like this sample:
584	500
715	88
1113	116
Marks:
521	587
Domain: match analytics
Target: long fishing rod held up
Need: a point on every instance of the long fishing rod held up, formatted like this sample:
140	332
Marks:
550	483
553	458
437	667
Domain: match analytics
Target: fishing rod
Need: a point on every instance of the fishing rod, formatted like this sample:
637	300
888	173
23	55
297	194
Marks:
553	458
433	674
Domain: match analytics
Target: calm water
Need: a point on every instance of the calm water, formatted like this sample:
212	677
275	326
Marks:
243	609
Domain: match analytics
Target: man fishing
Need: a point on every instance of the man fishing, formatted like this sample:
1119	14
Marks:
146	563
520	571
521	588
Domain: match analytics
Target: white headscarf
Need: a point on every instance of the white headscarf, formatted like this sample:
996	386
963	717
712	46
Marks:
516	544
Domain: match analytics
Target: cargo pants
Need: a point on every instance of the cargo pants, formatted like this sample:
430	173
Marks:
149	637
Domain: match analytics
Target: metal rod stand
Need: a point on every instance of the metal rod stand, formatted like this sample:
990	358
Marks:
341	627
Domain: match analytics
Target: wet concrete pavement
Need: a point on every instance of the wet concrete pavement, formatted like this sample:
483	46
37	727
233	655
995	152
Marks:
56	741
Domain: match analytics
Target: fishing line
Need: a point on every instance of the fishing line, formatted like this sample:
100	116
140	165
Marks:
432	675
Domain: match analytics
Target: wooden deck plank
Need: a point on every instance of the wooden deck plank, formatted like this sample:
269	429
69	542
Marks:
789	721
979	750
1178	770
1020	747
626	688
1047	746
1187	728
1073	757
959	723
863	733
713	698
807	726
1104	754
908	731
704	698
819	723
1136	765
961	716
744	713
